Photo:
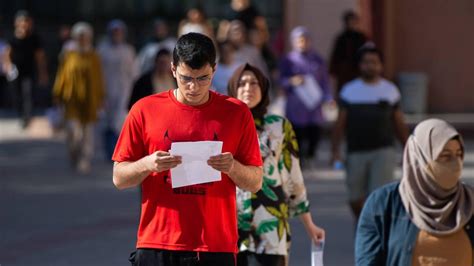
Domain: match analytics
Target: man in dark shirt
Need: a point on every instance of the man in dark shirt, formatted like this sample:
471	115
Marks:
26	53
342	65
371	118
244	11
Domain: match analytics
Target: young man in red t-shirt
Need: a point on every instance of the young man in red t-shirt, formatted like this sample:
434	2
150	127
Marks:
192	225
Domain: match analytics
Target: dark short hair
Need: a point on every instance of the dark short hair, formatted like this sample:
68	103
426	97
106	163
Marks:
348	15
195	50
368	48
259	111
22	13
161	52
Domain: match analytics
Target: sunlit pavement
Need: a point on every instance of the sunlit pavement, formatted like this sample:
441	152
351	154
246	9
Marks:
50	215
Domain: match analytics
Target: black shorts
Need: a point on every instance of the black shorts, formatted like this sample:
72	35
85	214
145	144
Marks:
160	257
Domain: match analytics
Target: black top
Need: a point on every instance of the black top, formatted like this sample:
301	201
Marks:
247	16
141	88
23	54
370	110
369	126
343	57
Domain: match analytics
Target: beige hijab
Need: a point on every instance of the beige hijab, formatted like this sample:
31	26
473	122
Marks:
431	208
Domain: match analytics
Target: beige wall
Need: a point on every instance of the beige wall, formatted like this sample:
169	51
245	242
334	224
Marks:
431	36
322	17
437	37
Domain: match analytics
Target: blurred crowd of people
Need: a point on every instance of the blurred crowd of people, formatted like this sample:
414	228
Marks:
101	80
98	83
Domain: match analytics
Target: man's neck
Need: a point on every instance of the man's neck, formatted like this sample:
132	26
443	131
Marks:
373	80
180	98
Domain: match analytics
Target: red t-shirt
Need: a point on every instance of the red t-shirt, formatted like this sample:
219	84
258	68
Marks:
193	218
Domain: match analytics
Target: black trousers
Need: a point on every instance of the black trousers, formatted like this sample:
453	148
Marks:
308	139
159	257
253	259
23	93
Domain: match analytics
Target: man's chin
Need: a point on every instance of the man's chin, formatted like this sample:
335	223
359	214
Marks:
195	100
369	77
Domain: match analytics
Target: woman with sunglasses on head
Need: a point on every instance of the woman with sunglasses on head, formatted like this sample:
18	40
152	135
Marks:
263	217
426	218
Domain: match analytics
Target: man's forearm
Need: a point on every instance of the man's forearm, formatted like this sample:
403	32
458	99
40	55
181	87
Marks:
41	63
336	141
246	177
129	174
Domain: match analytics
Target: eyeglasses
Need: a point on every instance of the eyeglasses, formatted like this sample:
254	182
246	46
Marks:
201	81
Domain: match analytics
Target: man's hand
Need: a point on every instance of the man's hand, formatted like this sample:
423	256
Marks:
160	161
131	174
223	162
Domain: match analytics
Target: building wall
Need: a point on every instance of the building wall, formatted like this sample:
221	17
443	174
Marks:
437	37
322	17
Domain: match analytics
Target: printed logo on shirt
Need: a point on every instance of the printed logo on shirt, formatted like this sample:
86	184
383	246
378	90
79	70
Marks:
200	189
167	140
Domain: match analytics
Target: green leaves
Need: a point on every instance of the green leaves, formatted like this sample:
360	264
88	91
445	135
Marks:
282	215
270	119
246	204
271	169
266	226
244	221
302	207
280	165
266	189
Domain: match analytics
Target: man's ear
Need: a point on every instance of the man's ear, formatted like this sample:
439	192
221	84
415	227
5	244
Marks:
173	69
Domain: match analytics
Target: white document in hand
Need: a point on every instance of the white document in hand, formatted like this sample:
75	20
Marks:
317	253
194	168
310	93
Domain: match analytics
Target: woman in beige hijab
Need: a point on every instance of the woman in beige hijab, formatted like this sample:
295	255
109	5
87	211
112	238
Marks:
426	218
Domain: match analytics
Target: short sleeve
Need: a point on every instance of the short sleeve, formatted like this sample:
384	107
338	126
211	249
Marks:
130	146
396	97
248	151
342	102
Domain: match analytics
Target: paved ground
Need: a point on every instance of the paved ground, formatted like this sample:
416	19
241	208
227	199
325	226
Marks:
50	215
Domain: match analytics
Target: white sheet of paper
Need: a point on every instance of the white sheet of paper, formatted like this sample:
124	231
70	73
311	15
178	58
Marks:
194	168
310	93
317	254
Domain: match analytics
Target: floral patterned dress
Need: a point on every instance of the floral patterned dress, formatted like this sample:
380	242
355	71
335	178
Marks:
263	217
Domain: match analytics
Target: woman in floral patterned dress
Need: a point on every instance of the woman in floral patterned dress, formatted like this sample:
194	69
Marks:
263	217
